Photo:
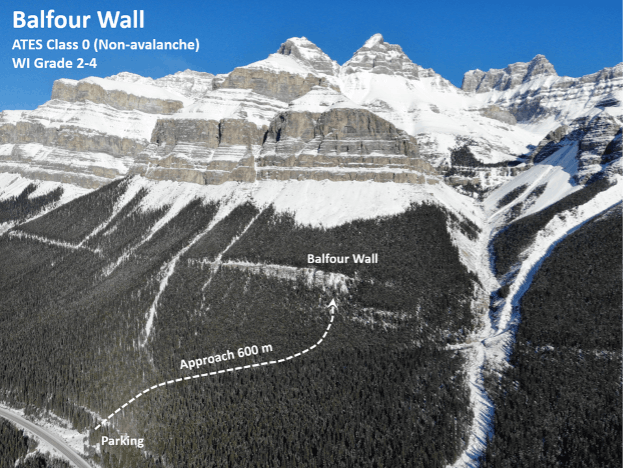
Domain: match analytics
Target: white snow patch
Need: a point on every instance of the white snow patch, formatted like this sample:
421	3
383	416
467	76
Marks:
556	171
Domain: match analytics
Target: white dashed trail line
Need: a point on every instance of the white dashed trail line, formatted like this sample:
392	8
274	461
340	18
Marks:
332	306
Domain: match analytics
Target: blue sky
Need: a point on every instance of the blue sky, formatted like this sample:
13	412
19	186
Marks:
451	37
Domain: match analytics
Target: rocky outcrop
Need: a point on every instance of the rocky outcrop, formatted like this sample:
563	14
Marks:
594	136
278	85
196	164
212	134
597	141
613	150
496	113
38	162
91	90
549	144
340	144
560	99
477	81
169	132
299	115
201	151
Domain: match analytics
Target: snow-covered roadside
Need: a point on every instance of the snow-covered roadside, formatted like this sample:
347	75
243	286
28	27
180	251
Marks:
60	427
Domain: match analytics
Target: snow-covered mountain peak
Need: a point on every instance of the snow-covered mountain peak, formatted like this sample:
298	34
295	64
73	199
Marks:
377	56
373	41
539	66
309	55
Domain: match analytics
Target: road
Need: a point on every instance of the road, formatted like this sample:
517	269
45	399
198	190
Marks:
49	437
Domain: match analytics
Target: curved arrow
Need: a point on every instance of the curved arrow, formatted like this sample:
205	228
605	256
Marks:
332	309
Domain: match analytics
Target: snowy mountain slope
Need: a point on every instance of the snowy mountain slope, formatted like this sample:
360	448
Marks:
23	199
562	168
309	54
241	104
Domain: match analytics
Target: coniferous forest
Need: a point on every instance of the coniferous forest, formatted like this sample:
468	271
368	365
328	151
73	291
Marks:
82	329
560	402
383	389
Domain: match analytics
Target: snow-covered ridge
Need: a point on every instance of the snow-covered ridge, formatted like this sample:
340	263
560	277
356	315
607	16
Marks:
509	77
309	55
192	84
137	89
544	101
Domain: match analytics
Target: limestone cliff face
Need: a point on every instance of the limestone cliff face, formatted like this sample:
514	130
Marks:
595	134
38	162
299	115
592	138
201	151
169	132
81	91
340	144
548	145
278	85
83	143
532	92
68	137
613	150
196	164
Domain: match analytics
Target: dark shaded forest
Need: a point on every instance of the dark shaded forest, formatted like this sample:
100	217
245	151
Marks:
560	404
381	391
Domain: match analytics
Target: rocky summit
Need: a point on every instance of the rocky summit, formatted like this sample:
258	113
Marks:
299	115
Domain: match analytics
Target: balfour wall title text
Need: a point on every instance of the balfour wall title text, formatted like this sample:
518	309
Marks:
50	20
